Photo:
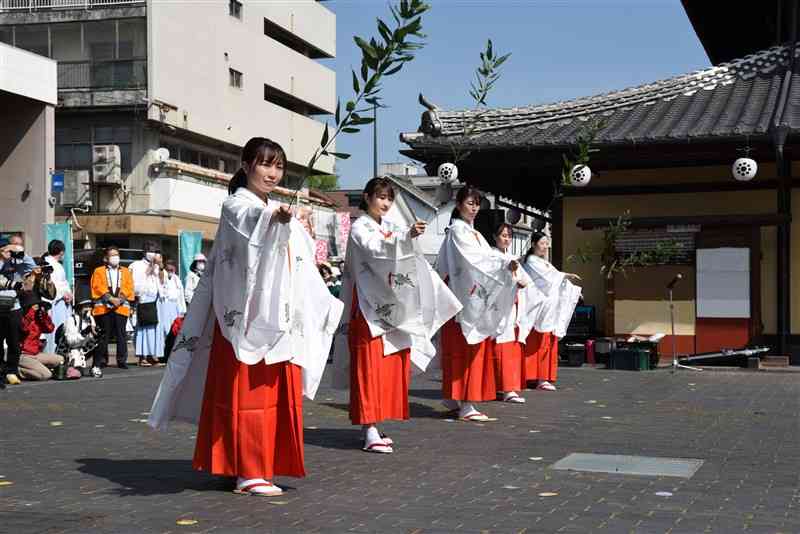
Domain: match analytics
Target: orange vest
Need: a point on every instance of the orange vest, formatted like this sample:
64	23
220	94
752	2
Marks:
100	286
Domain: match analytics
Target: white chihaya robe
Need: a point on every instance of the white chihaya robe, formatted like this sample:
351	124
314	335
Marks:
517	326
555	295
399	294
479	277
262	286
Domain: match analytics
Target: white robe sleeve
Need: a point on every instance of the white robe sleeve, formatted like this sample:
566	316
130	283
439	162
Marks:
479	276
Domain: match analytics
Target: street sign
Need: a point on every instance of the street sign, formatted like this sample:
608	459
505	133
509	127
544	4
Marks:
57	184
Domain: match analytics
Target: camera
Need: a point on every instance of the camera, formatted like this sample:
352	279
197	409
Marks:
19	255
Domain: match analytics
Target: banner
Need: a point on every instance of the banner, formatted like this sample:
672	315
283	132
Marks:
189	244
63	232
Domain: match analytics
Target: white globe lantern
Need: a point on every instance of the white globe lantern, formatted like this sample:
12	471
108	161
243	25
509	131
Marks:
448	172
580	176
744	169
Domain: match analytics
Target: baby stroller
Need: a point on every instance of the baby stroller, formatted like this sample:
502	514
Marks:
77	338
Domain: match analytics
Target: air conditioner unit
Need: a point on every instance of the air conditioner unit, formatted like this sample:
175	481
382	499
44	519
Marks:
76	188
106	164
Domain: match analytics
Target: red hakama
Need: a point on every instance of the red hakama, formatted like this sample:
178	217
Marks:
541	356
467	370
378	383
509	366
251	422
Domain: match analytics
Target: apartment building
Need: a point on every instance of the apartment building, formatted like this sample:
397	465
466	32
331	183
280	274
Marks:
197	79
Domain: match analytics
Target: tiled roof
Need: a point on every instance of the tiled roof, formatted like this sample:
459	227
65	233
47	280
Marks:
732	99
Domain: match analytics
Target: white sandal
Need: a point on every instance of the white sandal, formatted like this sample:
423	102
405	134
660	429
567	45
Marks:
546	386
513	398
379	447
257	487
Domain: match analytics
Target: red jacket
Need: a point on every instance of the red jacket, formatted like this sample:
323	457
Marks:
34	324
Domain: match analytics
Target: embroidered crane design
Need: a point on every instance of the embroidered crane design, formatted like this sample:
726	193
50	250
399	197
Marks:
400	279
230	317
228	254
480	292
190	343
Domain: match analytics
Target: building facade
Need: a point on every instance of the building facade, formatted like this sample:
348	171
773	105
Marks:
197	80
28	99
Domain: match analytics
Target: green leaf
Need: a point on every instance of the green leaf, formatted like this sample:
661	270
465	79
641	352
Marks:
350	130
489	49
356	87
336	117
350	106
386	33
364	70
340	155
393	70
365	47
325	136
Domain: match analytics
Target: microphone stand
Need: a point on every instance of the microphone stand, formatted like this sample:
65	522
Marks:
675	364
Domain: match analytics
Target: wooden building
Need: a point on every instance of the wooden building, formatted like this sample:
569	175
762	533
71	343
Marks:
665	156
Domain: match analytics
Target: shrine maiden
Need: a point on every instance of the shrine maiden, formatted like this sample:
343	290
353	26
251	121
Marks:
483	279
555	298
394	304
255	339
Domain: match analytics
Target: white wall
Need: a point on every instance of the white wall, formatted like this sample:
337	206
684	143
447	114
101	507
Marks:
187	197
188	69
30	75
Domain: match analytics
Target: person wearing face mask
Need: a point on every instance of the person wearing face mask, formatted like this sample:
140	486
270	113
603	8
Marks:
15	268
149	336
62	303
196	270
112	293
171	304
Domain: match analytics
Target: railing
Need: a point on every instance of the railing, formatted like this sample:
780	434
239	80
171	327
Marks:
33	5
113	74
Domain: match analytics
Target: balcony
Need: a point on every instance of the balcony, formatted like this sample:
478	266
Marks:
37	5
112	74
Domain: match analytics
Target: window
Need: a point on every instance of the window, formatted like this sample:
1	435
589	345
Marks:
132	39
7	35
235	78
235	9
34	38
66	41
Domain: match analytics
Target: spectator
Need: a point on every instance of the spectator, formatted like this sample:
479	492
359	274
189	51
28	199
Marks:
15	267
112	292
147	289
172	303
35	364
62	303
334	285
305	215
196	270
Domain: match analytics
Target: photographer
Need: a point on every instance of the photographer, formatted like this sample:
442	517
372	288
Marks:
35	364
62	303
15	268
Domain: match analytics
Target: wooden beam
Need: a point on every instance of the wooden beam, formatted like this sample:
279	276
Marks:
766	219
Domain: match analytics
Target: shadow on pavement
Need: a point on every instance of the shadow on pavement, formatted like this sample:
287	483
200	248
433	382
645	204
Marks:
152	477
334	438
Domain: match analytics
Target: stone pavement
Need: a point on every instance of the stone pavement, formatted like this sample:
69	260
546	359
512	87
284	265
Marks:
76	457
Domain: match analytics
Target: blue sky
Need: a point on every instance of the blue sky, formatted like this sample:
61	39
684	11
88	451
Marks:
560	50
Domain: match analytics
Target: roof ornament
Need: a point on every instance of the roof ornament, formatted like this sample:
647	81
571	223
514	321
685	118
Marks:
430	124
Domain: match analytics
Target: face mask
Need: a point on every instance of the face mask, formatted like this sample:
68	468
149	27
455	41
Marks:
150	256
170	274
200	267
113	261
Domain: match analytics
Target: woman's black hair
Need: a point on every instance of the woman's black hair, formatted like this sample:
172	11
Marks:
55	247
535	238
376	186
193	266
256	150
463	194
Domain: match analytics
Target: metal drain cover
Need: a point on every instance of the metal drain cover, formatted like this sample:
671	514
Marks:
629	465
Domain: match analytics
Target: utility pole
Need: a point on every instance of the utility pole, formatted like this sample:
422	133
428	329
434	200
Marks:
374	140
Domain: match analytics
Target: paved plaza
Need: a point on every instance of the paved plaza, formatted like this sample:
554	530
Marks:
78	458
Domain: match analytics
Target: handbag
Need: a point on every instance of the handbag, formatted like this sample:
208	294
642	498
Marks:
147	314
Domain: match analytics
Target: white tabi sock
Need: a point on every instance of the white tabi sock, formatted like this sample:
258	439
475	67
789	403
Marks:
467	409
371	434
